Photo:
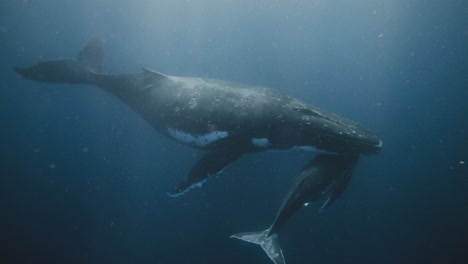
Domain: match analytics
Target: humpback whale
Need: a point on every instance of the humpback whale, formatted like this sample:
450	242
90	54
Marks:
228	119
323	172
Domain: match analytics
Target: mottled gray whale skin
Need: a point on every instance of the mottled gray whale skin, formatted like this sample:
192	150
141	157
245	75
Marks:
226	119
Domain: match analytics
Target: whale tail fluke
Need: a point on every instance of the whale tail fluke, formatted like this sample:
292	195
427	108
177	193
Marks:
78	70
268	241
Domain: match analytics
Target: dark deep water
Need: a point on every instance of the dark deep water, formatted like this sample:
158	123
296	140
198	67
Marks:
83	178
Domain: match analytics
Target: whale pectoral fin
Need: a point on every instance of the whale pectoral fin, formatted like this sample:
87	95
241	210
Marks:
212	163
337	191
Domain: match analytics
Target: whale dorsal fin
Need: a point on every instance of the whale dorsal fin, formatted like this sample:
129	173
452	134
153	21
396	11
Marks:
91	55
147	73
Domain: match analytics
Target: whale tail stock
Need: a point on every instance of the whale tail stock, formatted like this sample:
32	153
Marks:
267	240
78	70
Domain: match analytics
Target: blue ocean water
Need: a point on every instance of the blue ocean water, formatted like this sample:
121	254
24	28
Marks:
83	178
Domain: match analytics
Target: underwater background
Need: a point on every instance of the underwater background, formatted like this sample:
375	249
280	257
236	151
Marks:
83	179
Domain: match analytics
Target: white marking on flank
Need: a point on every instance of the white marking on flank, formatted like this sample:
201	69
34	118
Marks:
261	142
199	140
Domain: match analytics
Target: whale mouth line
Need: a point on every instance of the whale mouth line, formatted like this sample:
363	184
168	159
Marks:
376	145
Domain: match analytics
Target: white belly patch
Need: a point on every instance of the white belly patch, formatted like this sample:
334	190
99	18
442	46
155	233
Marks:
199	140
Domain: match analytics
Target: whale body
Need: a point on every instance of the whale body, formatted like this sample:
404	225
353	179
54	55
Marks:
227	120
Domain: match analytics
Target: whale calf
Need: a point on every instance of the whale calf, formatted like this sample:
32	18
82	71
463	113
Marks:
227	120
324	175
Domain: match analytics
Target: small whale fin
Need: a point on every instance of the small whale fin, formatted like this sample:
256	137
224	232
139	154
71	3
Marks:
268	242
326	204
148	73
80	70
212	163
338	189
